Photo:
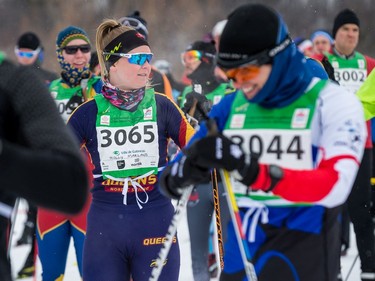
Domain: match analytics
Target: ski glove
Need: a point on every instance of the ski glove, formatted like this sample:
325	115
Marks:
182	174
221	153
194	99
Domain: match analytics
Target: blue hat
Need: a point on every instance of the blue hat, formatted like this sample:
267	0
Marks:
321	33
70	33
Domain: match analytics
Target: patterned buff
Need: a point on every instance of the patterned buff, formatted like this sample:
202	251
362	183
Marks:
72	75
125	100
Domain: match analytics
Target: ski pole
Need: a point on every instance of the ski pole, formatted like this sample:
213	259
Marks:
172	229
12	224
351	268
237	223
215	192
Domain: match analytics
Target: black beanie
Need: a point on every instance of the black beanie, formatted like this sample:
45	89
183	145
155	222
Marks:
28	40
250	29
344	17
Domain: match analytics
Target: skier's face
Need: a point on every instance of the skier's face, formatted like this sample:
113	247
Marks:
346	39
321	44
250	79
131	73
26	56
77	53
191	60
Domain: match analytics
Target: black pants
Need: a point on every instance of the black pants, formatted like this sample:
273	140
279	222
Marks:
289	254
359	204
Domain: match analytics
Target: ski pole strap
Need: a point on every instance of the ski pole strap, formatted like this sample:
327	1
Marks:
256	211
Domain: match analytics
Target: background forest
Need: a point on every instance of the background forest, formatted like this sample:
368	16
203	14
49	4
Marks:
172	24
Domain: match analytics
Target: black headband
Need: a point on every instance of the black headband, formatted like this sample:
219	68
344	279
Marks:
123	43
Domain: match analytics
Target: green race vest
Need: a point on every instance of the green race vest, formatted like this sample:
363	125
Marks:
62	94
367	97
280	136
350	73
127	141
215	96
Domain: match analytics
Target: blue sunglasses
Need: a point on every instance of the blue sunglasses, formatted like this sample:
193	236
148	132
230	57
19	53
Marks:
136	58
26	54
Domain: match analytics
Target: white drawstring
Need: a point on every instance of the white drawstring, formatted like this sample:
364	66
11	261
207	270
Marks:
255	209
136	185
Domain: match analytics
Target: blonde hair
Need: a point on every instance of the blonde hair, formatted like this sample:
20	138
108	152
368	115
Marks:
108	30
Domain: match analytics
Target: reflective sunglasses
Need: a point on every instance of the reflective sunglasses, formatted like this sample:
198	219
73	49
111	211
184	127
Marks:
26	54
190	56
243	74
136	58
132	22
261	58
71	50
251	68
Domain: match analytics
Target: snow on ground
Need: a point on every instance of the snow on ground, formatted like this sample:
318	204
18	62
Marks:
18	255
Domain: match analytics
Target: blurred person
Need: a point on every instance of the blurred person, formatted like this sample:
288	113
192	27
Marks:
322	42
94	64
159	81
76	85
34	144
287	139
351	69
206	90
216	33
366	94
28	50
165	68
304	45
126	131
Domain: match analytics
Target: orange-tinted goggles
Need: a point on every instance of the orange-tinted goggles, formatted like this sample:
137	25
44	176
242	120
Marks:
243	74
190	56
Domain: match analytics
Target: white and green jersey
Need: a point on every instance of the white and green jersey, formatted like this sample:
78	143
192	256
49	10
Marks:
62	93
349	73
280	136
127	141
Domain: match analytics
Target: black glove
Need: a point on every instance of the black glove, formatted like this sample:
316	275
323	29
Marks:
74	102
181	174
221	153
201	101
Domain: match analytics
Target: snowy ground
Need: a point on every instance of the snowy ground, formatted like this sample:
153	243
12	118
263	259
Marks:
18	255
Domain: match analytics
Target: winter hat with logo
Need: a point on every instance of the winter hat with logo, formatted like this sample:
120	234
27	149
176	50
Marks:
137	22
344	17
239	45
255	34
70	33
28	40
